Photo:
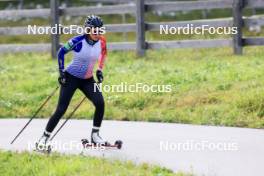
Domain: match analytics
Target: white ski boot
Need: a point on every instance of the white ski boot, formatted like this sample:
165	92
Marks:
43	145
96	139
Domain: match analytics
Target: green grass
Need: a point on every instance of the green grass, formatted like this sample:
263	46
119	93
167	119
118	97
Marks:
209	86
25	164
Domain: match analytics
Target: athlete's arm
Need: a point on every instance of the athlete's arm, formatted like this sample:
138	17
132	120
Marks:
103	54
61	53
70	45
63	50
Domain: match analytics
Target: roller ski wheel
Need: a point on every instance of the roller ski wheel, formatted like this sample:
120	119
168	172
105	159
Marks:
86	144
118	144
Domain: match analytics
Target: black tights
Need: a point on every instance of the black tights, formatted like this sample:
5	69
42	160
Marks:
87	86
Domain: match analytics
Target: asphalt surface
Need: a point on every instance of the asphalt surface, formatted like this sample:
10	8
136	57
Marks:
201	150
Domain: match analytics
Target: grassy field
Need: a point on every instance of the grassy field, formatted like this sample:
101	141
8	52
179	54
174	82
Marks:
209	86
25	164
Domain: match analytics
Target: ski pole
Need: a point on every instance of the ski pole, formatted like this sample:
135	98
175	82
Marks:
42	105
71	114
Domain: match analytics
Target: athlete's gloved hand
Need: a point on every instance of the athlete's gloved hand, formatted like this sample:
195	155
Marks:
99	75
62	78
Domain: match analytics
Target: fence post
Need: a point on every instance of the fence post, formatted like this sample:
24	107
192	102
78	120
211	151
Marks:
54	16
238	22
124	22
140	22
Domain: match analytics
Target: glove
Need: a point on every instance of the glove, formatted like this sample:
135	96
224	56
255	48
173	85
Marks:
99	75
62	78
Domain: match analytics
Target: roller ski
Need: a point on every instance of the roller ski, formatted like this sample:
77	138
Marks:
43	145
97	141
87	144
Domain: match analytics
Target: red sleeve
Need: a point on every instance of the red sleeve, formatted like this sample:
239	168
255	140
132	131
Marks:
103	54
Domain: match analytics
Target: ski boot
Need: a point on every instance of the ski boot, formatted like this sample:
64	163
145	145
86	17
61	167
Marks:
96	139
43	145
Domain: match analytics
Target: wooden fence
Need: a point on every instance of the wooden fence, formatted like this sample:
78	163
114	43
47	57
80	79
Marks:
141	26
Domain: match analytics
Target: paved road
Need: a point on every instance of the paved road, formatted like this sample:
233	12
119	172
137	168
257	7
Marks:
203	150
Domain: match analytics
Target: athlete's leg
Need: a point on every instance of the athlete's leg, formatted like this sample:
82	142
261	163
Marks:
66	93
92	92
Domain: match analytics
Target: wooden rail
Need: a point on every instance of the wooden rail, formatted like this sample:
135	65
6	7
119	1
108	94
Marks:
104	10
45	47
